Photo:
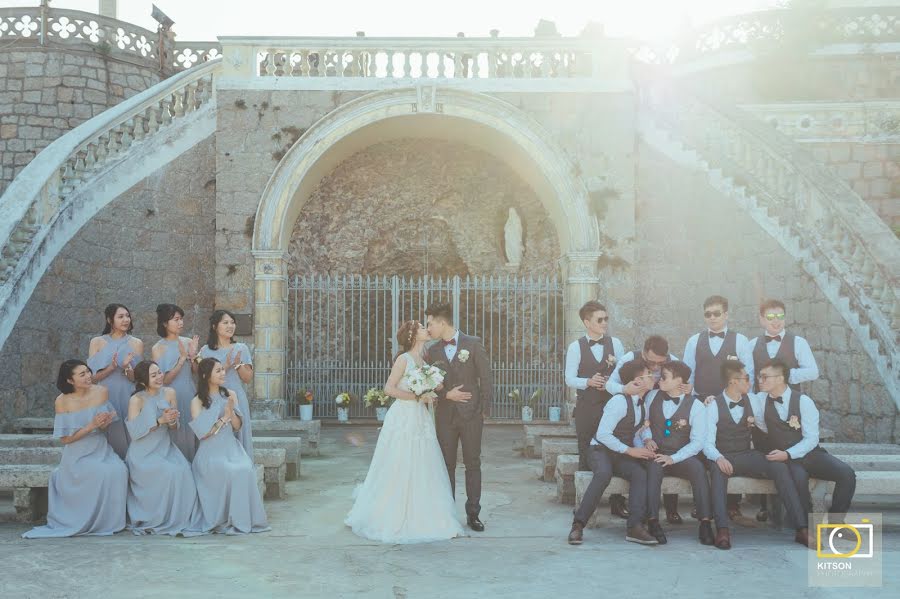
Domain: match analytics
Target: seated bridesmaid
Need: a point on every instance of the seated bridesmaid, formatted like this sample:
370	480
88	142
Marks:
87	490
162	496
224	473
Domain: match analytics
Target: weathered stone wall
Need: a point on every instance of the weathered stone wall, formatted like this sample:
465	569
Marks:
375	212
695	243
153	244
46	92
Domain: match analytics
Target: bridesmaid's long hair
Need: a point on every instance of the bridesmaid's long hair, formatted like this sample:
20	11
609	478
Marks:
110	313
165	313
406	337
204	371
212	340
142	375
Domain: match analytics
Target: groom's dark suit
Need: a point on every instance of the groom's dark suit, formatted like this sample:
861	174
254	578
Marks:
457	421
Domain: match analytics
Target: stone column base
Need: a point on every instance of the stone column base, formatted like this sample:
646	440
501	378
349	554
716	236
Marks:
267	409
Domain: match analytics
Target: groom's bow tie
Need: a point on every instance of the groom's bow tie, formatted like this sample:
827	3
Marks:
775	399
667	397
733	404
449	342
720	334
593	342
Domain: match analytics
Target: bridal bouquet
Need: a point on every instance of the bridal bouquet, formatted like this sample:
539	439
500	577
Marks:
424	379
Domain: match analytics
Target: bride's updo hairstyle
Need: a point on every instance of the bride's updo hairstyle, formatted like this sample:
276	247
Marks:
406	336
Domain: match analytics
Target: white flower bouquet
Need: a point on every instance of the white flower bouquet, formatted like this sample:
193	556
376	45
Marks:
424	379
375	397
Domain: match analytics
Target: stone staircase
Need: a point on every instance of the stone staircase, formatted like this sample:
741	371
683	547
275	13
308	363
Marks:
849	252
85	169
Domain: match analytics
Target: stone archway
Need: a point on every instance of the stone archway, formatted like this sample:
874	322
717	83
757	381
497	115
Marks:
478	119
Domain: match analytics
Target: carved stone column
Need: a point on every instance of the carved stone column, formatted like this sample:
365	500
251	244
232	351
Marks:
582	284
269	331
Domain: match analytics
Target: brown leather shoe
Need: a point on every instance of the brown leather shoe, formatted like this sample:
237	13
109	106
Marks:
577	533
705	533
639	534
617	507
723	538
803	538
673	517
735	515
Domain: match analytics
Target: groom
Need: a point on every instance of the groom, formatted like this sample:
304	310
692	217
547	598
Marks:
464	401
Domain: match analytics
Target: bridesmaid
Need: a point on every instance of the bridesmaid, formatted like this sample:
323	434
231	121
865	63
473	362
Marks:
236	359
87	490
162	496
112	357
175	356
225	475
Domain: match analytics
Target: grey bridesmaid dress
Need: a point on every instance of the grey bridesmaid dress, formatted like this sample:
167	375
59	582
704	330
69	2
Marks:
162	496
185	390
225	477
87	490
119	387
234	383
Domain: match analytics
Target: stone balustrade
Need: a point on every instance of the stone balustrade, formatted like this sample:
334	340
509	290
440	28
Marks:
877	121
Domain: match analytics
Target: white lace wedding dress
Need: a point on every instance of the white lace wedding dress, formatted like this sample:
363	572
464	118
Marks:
406	497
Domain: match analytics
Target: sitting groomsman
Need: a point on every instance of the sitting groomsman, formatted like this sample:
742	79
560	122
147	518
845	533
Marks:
678	428
613	451
730	420
655	354
792	349
705	353
790	421
589	362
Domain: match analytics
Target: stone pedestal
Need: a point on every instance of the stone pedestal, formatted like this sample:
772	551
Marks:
269	327
267	409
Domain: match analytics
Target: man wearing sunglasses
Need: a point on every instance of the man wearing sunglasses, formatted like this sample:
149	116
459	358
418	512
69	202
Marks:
589	362
776	342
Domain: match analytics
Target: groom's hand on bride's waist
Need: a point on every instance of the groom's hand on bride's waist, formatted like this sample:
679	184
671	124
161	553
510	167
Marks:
457	394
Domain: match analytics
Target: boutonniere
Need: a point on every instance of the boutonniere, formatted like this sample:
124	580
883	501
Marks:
611	360
751	421
680	424
463	355
730	357
794	423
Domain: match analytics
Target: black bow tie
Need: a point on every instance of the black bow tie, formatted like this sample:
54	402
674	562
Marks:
668	397
640	402
733	404
449	342
721	334
593	342
775	399
775	338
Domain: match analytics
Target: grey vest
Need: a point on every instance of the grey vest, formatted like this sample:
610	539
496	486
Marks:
781	435
589	366
707	376
785	353
732	437
626	429
659	424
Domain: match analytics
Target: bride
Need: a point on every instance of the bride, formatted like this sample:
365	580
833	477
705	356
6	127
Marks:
406	497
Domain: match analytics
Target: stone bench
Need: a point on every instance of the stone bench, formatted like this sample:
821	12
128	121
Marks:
260	479
566	467
31	426
533	433
35	440
551	449
308	431
275	470
862	448
29	483
290	445
30	455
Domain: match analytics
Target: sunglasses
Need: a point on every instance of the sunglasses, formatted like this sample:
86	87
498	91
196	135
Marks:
765	377
603	319
713	313
744	378
773	316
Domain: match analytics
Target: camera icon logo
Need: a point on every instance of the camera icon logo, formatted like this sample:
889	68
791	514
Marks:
845	541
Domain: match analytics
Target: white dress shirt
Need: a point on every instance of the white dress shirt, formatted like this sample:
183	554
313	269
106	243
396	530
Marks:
809	420
742	347
807	369
616	409
614	384
712	424
697	420
450	348
573	359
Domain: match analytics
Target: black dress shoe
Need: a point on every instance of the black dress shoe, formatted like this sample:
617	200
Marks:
617	507
475	524
706	534
673	517
762	515
656	531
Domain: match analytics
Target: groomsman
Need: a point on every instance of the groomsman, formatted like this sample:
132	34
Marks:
790	421
613	451
705	353
730	420
589	362
678	428
655	354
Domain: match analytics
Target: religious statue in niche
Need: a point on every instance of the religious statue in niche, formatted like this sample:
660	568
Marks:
512	238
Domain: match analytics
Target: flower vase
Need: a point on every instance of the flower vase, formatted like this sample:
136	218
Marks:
306	410
527	413
380	413
555	413
343	414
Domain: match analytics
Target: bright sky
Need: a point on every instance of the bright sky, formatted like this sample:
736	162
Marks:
206	19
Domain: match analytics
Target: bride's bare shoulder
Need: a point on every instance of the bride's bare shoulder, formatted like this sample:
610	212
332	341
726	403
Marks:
401	360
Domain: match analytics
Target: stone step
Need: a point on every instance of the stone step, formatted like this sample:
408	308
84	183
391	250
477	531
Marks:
551	449
29	483
291	445
20	440
862	448
307	430
566	467
30	455
260	479
534	433
32	426
275	470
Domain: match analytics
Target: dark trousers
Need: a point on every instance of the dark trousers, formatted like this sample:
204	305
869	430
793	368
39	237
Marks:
691	469
605	463
587	416
820	464
753	464
451	430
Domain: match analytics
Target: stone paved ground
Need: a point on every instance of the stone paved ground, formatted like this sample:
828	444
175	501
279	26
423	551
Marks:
523	553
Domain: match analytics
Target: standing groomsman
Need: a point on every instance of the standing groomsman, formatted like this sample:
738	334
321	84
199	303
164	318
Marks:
613	451
730	420
589	362
790	421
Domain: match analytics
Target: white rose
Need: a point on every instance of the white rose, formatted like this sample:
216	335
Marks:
463	355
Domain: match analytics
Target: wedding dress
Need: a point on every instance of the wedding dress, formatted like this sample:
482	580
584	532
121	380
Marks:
406	497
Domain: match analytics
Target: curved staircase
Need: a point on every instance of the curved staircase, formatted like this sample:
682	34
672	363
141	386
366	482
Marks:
88	167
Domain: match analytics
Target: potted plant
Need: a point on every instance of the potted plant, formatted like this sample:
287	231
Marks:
527	405
343	406
555	413
378	399
304	399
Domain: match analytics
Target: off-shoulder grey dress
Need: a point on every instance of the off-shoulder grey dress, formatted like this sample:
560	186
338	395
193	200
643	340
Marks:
234	383
185	390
